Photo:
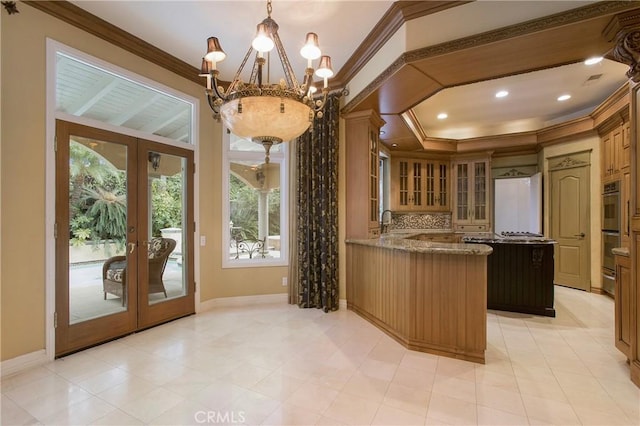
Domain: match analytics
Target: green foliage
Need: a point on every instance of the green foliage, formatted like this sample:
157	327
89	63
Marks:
166	198
80	230
109	213
243	207
98	201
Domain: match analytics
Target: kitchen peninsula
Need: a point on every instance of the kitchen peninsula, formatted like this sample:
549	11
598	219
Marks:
430	296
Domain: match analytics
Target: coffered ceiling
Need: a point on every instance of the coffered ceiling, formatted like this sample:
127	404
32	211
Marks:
421	58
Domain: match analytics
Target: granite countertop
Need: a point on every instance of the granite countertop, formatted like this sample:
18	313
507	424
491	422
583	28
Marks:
400	242
620	251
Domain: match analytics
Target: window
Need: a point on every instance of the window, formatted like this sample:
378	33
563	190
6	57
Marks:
88	88
254	206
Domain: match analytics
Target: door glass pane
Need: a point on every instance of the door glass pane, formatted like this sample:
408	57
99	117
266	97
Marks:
167	250
97	228
480	191
463	192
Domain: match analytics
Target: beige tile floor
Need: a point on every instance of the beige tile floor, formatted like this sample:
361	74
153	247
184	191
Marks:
281	365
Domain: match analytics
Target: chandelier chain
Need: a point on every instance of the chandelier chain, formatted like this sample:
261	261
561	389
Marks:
269	9
289	76
236	78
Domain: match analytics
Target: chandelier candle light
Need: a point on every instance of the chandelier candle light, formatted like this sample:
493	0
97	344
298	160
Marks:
263	112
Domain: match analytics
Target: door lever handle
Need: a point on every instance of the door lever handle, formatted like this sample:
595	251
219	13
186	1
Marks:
132	247
581	235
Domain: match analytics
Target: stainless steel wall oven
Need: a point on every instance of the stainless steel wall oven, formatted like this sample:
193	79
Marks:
611	206
610	233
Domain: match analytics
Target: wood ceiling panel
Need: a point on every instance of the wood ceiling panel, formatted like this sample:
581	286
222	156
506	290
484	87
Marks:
404	89
401	91
553	47
396	131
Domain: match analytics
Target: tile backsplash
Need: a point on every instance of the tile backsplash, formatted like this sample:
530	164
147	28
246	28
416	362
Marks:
420	221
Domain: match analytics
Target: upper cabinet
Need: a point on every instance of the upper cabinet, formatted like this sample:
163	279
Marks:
616	152
362	131
419	184
471	204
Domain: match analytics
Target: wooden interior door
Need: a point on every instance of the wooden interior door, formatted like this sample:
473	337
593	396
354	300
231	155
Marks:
108	213
570	226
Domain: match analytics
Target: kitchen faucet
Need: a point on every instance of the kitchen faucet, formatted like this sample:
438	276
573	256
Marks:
384	226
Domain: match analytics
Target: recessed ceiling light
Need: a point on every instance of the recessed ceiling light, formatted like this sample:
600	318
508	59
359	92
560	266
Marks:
382	132
502	94
442	116
394	145
564	97
593	61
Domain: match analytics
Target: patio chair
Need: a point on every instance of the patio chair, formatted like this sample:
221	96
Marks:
114	270
247	244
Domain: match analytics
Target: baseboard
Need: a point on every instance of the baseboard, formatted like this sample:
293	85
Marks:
343	304
23	362
227	302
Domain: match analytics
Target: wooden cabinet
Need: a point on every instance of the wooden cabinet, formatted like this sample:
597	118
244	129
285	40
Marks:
419	185
626	147
616	152
472	195
625	209
623	305
362	174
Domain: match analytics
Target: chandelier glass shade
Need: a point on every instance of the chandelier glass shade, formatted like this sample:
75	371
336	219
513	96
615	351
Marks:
257	109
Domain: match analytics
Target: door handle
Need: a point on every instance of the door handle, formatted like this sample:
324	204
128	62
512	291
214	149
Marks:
581	235
132	247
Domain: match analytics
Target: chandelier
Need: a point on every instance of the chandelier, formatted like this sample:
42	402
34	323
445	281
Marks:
257	109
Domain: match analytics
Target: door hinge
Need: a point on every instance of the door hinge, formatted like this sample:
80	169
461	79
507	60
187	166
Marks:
55	320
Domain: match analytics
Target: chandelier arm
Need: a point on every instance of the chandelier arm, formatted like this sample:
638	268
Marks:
284	60
308	82
215	89
212	105
320	107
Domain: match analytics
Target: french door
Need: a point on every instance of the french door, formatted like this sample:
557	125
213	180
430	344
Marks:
124	235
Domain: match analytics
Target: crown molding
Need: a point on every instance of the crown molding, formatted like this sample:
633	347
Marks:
397	15
614	108
79	18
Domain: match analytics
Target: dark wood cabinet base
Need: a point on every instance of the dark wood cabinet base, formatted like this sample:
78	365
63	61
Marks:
520	277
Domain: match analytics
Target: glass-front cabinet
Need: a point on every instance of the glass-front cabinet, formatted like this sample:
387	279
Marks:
419	185
362	130
471	204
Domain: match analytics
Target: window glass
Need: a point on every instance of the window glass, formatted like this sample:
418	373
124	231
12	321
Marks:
86	90
255	206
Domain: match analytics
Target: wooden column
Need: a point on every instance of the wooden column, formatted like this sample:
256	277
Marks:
624	32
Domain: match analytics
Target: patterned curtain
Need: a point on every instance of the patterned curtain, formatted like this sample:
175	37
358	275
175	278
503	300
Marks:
317	211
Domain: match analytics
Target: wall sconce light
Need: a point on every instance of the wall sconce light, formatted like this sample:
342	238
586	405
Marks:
154	159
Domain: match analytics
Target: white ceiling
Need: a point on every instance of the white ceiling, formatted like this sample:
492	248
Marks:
182	27
474	111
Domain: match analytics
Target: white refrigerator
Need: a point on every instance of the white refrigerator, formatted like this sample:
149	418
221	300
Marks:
518	204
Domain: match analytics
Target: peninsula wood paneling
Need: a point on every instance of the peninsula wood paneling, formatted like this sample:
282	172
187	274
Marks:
433	303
